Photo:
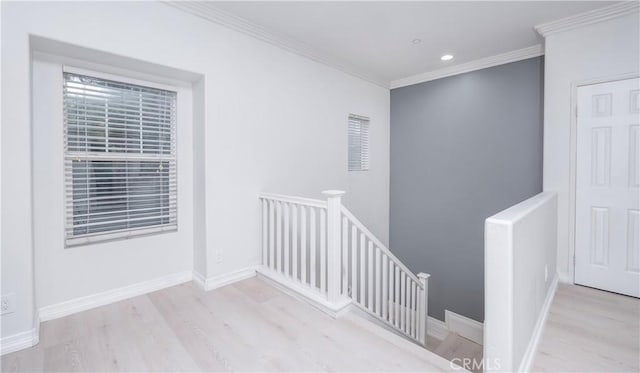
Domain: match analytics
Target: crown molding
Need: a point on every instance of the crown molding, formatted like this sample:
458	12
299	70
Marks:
209	12
482	63
588	18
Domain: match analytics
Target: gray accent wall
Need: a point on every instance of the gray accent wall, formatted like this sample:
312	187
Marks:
462	149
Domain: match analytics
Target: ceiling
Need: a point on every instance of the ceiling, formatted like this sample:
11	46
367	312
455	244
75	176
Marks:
376	39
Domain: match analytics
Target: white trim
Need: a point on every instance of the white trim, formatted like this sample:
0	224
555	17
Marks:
464	326
110	296
135	73
210	12
565	278
536	335
437	329
375	326
72	68
373	322
296	200
588	18
304	293
19	341
215	282
199	280
482	63
122	234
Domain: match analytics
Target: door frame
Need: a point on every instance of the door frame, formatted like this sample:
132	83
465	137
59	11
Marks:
573	138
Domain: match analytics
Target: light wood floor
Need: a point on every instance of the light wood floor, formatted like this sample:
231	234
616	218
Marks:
248	326
456	348
590	330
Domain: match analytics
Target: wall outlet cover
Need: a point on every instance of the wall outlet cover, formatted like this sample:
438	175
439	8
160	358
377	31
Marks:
8	303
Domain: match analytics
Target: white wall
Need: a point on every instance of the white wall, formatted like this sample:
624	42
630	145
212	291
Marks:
604	50
520	257
275	122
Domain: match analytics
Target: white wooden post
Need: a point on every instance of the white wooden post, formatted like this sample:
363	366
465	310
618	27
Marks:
423	307
334	260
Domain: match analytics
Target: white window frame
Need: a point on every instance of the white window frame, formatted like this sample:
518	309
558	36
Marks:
91	238
362	161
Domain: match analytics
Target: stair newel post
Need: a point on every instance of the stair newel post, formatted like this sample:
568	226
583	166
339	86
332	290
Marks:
423	307
334	259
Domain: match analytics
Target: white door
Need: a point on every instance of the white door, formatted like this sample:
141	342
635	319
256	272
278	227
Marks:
607	187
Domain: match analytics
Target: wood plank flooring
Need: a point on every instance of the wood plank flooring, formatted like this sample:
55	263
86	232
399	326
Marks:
461	351
590	330
247	326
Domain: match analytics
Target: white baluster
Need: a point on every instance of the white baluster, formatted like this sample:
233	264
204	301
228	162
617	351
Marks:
345	256
396	304
294	239
413	309
286	239
362	289
378	278
279	237
385	287
403	308
265	232
370	280
354	263
392	288
303	244
323	251
408	305
272	235
312	246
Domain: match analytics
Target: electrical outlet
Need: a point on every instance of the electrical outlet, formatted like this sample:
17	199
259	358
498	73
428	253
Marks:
8	303
546	272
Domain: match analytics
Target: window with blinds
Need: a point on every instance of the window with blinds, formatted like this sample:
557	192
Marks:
358	143
120	159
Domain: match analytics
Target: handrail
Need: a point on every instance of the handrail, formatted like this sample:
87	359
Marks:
380	245
290	199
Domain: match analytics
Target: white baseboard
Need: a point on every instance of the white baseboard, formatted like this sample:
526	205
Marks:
464	326
536	335
215	282
100	299
19	341
436	328
199	280
304	293
355	315
565	278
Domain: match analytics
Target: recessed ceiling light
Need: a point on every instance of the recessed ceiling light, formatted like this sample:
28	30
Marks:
416	41
446	57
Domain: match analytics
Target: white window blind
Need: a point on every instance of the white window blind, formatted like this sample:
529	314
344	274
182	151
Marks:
358	143
120	159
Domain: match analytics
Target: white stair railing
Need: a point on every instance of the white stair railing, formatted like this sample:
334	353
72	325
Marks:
294	238
380	283
321	250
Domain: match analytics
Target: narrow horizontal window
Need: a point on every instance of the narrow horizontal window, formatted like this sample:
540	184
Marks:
120	159
358	134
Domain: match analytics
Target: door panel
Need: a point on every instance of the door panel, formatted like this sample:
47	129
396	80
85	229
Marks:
607	187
